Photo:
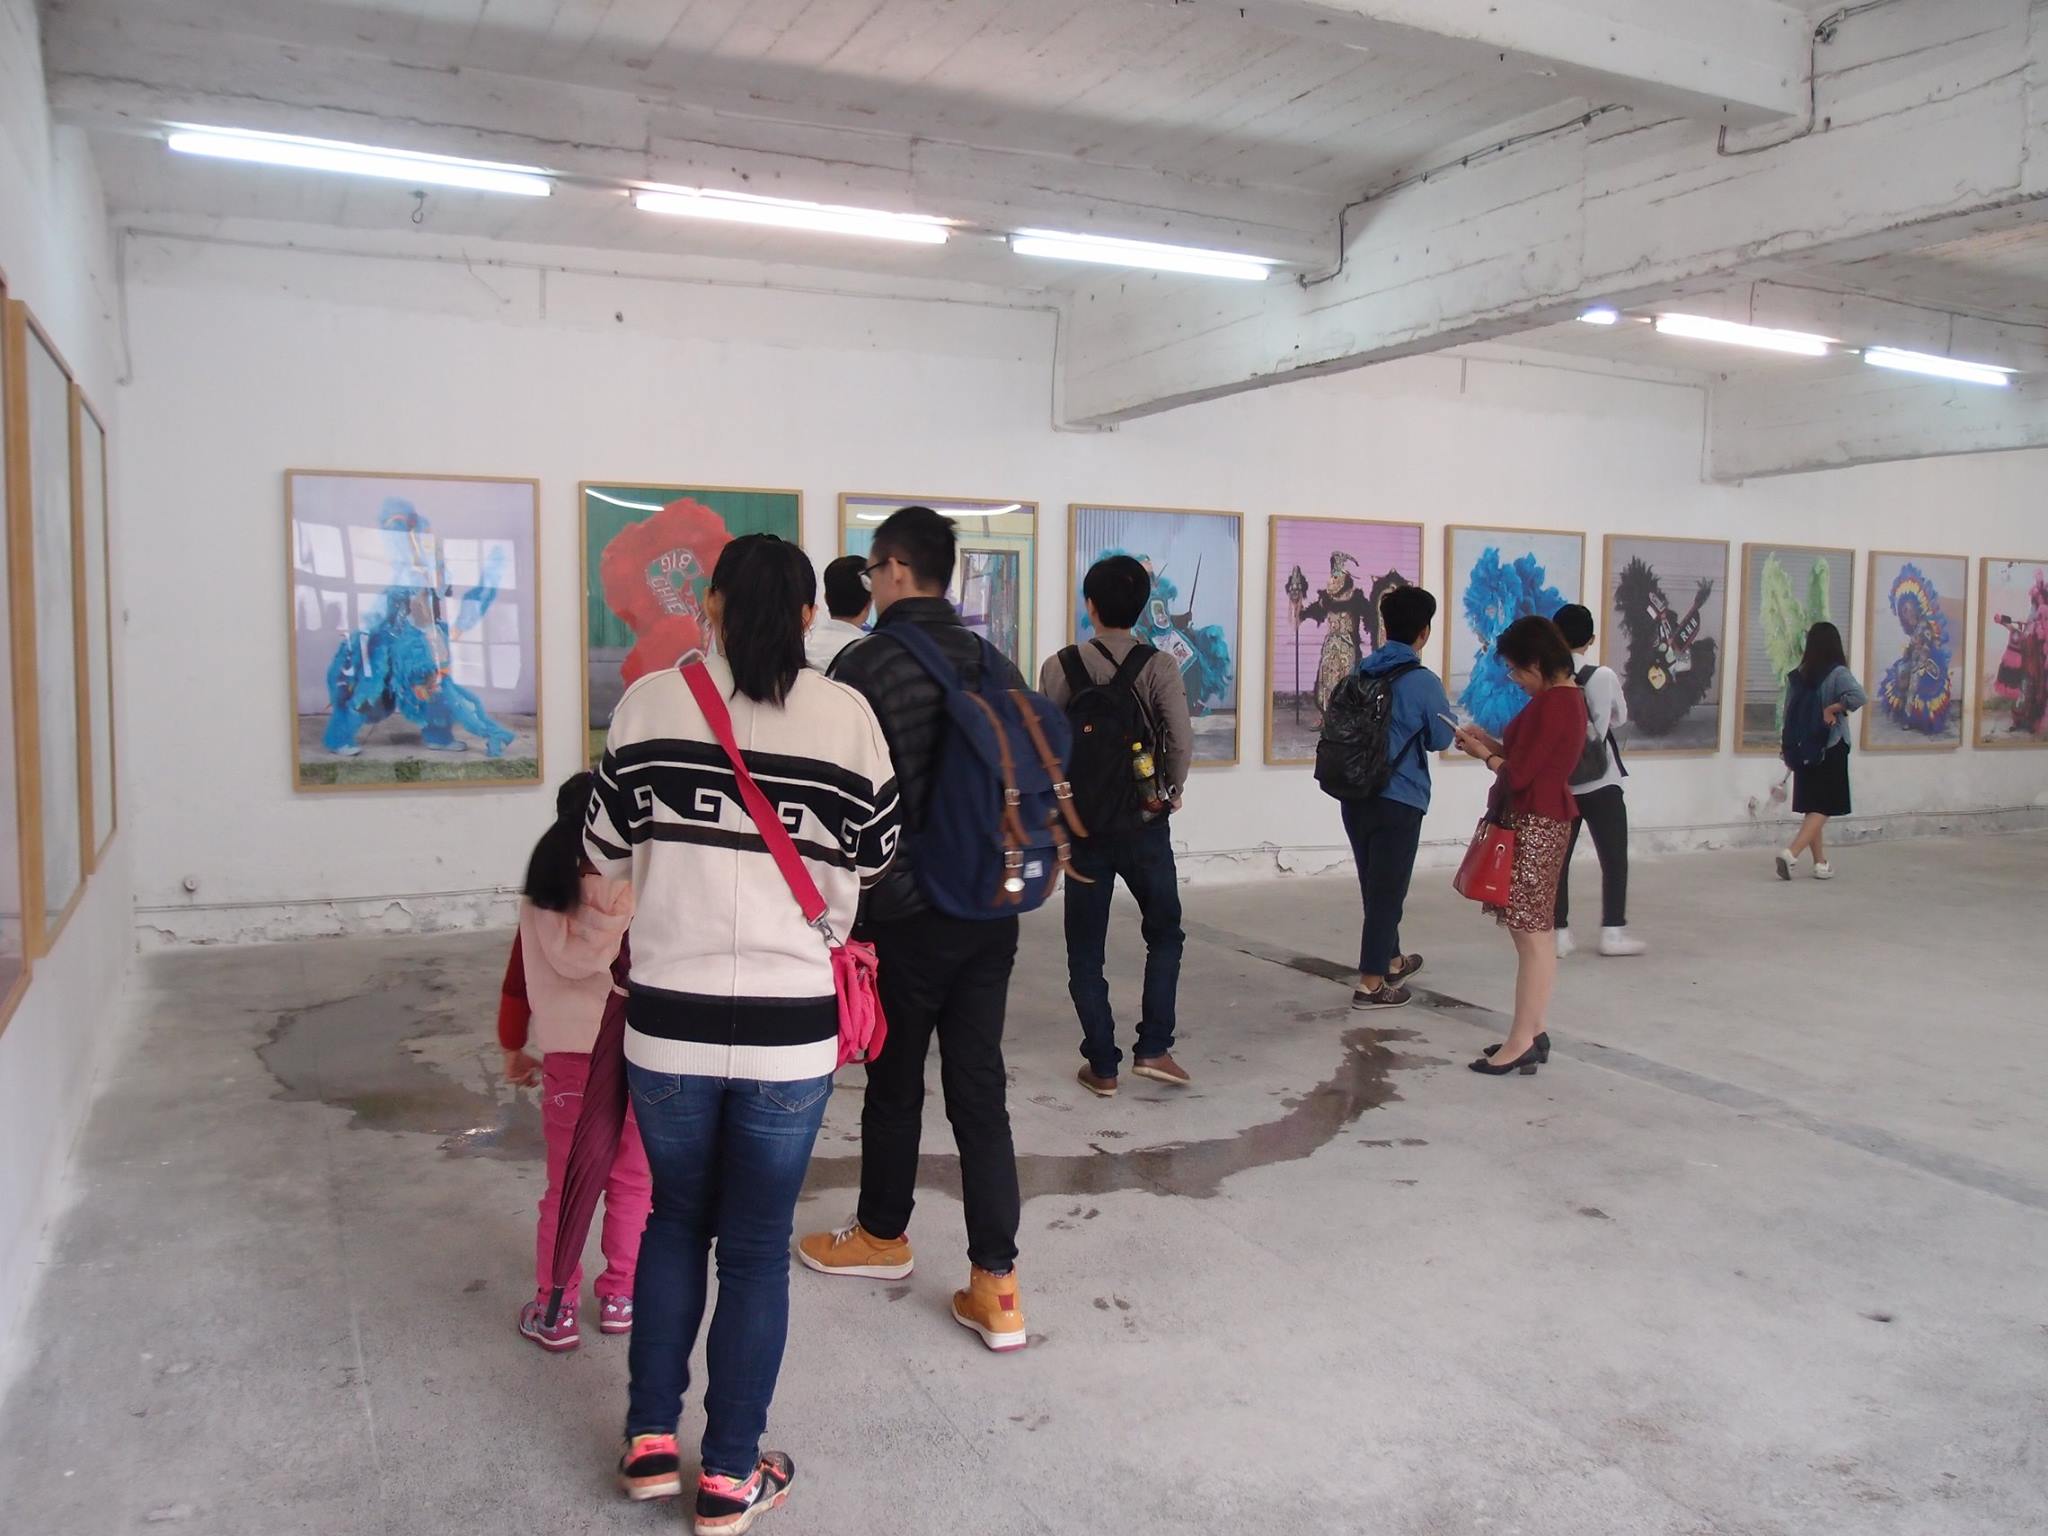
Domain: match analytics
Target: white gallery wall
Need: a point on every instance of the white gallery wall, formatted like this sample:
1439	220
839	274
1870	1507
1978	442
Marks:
55	252
250	360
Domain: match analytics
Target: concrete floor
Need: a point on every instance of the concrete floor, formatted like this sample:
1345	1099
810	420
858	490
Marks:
1764	1250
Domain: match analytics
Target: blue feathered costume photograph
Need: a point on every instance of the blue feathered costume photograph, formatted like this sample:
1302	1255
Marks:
1498	592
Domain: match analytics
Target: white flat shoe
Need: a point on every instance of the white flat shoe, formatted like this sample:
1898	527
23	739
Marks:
1564	943
1619	941
1785	861
1823	871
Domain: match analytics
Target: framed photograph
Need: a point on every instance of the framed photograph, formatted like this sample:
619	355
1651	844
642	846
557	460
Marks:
415	630
2012	653
995	584
15	681
1786	590
1325	577
1663	622
89	433
648	553
51	642
1496	576
1913	663
1195	615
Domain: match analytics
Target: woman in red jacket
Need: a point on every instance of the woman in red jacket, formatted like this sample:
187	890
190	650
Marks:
1532	790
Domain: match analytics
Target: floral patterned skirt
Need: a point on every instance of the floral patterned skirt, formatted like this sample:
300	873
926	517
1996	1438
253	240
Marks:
1541	844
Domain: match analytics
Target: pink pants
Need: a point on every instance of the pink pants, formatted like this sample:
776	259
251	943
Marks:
628	1193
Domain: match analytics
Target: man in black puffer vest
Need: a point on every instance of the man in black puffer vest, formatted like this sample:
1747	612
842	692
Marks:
939	975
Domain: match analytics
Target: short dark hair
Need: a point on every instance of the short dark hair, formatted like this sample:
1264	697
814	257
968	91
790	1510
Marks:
1575	622
1407	612
845	593
1533	641
1118	587
766	584
922	540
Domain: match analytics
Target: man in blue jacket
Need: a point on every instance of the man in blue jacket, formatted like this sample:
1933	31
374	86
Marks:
1386	829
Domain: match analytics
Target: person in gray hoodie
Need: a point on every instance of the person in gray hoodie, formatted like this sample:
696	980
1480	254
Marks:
1386	829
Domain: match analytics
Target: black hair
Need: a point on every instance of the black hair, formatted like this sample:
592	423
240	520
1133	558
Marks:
554	874
1407	612
922	540
1823	653
1533	641
765	583
1118	587
1575	622
845	593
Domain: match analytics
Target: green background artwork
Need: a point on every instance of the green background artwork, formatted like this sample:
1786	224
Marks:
1788	589
607	510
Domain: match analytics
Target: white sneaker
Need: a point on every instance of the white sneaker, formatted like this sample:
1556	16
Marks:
1823	871
1564	943
1619	941
1785	860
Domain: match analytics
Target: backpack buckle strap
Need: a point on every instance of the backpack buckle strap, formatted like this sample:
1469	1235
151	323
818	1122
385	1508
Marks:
1055	770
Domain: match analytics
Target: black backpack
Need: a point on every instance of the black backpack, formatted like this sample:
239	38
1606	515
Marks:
1593	757
1107	720
1804	739
1351	756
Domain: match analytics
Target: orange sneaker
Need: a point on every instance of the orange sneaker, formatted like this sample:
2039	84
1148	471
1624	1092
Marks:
990	1307
651	1468
853	1250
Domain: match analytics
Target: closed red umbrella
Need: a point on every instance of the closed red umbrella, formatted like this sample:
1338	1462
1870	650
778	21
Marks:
599	1125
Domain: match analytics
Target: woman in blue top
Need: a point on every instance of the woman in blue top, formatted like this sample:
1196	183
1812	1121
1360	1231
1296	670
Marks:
1822	790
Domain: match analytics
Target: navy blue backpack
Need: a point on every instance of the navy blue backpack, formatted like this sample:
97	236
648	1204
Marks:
1804	738
998	824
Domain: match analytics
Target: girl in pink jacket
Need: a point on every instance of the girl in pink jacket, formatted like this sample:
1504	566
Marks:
570	923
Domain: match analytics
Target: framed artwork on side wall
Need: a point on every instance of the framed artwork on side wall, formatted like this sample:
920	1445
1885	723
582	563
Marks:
2012	653
15	683
648	553
415	630
1786	590
96	612
995	582
1493	577
1195	614
1663	623
1913	663
1325	577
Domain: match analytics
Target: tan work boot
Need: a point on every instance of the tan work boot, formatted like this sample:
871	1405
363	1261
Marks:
990	1307
853	1250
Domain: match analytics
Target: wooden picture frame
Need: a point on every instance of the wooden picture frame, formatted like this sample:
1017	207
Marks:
18	679
589	728
84	411
1025	654
1990	659
1275	596
1750	552
1635	743
1450	615
1075	571
1955	602
533	626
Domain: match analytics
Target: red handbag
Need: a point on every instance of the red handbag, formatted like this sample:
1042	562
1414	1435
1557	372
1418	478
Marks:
1487	874
862	1029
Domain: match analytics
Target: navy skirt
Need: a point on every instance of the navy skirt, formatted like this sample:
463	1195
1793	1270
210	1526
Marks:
1823	789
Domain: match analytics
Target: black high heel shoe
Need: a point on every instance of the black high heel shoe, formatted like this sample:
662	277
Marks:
1542	1048
1525	1064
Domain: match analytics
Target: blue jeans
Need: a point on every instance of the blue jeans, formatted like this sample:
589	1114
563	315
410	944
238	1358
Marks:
1143	860
728	1158
1384	837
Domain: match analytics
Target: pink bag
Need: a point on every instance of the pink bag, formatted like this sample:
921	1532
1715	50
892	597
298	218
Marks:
862	1029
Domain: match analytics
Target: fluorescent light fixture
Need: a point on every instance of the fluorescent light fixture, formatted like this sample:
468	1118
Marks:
1601	316
361	160
782	213
1939	367
1704	328
1140	253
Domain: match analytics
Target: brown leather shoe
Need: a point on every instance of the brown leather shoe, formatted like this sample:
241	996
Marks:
1161	1069
1101	1087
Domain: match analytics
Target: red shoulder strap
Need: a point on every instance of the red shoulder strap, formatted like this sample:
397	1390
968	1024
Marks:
773	832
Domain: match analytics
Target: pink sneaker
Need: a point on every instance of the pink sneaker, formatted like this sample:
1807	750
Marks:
558	1340
615	1314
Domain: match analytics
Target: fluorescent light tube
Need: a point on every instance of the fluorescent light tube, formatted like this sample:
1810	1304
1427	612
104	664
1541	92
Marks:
1140	253
1601	316
1703	328
361	160
781	213
1939	367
